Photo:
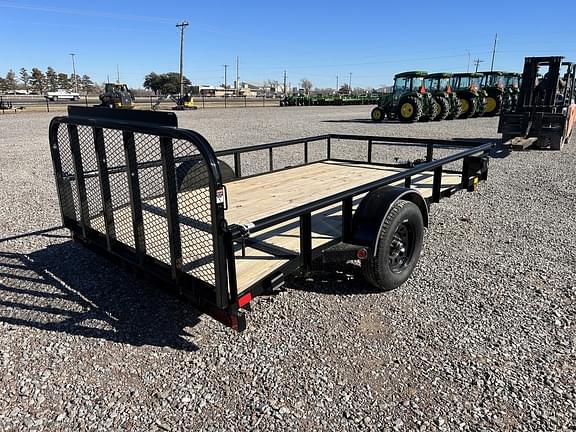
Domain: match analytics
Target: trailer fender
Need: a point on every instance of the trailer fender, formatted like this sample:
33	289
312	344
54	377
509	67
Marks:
193	174
373	209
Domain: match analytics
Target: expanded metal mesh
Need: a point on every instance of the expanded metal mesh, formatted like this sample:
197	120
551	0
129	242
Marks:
195	215
192	186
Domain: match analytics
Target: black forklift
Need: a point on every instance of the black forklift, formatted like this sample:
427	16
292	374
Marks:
546	111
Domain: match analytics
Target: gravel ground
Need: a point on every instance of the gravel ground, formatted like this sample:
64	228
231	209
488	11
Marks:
482	337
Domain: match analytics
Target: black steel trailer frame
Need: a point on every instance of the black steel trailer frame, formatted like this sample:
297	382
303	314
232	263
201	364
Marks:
107	162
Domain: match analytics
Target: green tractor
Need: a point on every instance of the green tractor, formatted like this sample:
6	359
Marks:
409	100
439	85
472	98
493	83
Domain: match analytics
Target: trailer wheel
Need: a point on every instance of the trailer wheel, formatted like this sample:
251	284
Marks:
398	248
377	114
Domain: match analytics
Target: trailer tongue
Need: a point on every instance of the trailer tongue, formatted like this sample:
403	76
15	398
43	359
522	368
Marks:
137	189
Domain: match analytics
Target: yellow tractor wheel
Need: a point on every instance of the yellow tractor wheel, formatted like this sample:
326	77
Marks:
490	104
377	114
406	110
465	106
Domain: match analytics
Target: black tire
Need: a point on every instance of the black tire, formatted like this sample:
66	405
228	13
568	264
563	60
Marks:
514	102
456	111
444	108
398	249
469	107
433	111
480	106
412	115
377	114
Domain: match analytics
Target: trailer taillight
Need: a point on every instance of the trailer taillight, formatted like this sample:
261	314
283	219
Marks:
362	254
244	300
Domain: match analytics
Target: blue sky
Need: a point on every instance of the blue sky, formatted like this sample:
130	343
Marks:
313	40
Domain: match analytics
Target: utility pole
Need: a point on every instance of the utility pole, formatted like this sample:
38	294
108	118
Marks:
494	52
284	82
182	25
468	67
237	75
117	74
477	63
336	83
225	78
74	72
350	83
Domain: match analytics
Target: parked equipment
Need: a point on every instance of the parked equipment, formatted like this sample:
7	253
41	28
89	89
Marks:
185	102
5	105
409	100
159	199
493	84
439	85
116	95
546	109
472	98
512	81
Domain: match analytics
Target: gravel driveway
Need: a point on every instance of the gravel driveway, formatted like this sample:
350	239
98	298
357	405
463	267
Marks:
481	337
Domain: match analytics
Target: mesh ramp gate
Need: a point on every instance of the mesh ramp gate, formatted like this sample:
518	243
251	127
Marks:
145	193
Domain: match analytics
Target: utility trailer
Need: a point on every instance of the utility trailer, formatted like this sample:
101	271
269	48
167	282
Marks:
135	188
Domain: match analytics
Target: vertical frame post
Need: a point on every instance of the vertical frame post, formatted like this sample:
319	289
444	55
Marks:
429	152
305	152
328	148
79	174
346	219
465	176
369	151
408	182
135	197
105	192
171	195
306	241
271	159
237	165
437	184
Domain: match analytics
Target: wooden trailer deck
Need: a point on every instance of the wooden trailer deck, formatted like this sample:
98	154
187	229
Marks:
254	198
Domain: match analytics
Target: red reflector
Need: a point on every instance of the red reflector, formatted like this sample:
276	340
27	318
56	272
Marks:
244	300
362	253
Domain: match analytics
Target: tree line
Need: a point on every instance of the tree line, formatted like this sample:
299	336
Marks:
39	82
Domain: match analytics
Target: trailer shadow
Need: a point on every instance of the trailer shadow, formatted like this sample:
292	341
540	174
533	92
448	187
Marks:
66	288
332	279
